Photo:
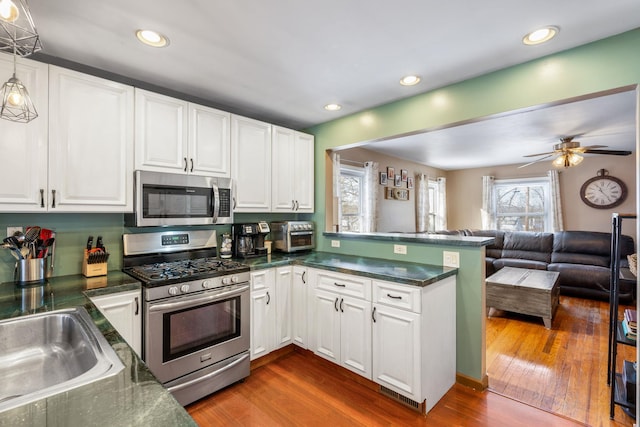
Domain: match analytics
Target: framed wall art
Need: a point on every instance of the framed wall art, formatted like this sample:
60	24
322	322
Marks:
391	172
404	175
383	178
398	181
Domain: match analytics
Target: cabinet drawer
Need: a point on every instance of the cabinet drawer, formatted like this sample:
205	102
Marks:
400	296
262	279
344	284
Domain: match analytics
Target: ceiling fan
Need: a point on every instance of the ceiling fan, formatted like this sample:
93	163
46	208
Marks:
569	153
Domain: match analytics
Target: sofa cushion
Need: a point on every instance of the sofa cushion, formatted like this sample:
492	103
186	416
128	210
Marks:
583	276
527	245
493	250
587	247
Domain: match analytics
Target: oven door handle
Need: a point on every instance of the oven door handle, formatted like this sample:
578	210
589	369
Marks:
209	375
192	301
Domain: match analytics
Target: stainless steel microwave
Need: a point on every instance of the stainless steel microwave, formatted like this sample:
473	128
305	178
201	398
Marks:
167	199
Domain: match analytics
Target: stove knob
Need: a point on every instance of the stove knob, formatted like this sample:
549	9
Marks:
234	279
206	284
184	288
173	290
226	280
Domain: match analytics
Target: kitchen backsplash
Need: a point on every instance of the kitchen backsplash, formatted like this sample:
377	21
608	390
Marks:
72	230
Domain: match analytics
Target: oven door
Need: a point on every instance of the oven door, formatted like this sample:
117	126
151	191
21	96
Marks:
300	240
185	334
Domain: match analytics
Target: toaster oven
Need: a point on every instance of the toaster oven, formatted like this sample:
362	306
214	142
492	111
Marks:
293	236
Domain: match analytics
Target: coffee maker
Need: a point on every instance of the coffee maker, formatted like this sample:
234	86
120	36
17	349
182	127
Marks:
248	239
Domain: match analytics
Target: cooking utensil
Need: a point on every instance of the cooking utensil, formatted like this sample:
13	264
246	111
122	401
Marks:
30	238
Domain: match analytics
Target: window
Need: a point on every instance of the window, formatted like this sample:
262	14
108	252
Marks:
351	190
522	204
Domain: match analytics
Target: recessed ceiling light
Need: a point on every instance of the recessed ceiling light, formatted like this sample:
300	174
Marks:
152	38
332	107
410	80
541	35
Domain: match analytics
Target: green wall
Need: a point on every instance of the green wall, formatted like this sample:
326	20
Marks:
602	65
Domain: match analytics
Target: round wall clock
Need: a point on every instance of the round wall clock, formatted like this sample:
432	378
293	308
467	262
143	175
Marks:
603	191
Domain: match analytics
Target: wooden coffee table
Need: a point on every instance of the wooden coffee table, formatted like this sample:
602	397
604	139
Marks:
524	291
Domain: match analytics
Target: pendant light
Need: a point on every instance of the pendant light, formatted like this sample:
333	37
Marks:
16	103
18	34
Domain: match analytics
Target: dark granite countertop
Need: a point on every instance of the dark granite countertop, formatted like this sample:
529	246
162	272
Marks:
408	273
131	397
429	238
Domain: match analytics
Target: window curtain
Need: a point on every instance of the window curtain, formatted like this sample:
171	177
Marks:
441	217
336	214
557	224
370	197
422	203
487	212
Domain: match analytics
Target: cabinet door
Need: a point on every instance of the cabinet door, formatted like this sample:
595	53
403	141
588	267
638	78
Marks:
303	164
161	133
123	311
262	327
209	141
90	143
283	295
396	350
326	325
283	170
23	175
355	335
251	164
299	307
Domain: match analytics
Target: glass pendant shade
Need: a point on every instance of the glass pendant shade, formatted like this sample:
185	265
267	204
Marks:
567	160
17	31
16	103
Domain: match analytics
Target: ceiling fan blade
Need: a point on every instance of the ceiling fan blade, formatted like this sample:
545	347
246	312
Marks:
589	147
536	161
550	153
610	152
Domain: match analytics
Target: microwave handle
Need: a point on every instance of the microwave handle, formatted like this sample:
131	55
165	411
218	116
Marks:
216	203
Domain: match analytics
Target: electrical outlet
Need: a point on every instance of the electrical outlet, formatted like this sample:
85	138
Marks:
335	243
451	259
400	249
12	230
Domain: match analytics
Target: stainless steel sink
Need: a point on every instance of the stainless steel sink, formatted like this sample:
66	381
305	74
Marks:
48	353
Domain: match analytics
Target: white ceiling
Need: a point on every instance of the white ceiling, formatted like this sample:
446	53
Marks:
607	120
282	60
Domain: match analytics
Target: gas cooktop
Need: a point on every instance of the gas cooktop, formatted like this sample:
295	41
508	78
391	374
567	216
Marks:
166	272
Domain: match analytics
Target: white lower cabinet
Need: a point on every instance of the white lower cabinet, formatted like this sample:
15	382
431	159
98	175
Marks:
124	311
342	323
270	310
299	306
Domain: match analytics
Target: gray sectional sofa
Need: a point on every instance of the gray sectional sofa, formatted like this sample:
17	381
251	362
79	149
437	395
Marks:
583	258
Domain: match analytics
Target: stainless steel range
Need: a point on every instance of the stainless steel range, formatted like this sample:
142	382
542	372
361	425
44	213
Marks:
195	311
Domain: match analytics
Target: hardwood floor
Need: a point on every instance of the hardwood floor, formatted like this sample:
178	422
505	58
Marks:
301	389
562	370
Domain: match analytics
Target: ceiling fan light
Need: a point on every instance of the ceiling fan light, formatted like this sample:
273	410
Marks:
575	159
559	161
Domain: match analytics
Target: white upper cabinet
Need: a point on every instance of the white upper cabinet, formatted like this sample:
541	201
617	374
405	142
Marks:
209	141
23	175
90	143
161	133
180	137
251	164
292	171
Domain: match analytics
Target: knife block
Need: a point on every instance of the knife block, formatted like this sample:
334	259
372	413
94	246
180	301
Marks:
92	270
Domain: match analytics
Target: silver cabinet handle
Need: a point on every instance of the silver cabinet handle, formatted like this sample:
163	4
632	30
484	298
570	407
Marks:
394	297
340	285
185	164
42	197
293	205
373	315
53	197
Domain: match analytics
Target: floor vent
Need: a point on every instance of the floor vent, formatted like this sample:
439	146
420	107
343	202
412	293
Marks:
416	406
